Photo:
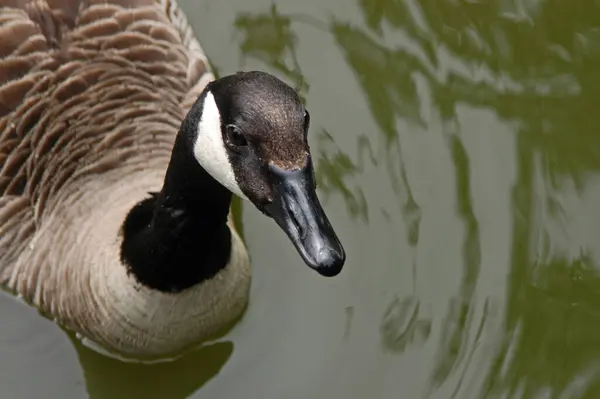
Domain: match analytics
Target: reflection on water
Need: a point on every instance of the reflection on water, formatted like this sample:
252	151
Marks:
335	167
535	64
106	377
456	323
402	324
269	37
457	146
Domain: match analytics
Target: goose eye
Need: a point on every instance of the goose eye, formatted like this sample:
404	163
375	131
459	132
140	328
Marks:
234	137
306	121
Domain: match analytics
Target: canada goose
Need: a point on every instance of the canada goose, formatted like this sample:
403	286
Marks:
119	154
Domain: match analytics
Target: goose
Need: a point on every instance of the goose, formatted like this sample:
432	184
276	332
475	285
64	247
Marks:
119	155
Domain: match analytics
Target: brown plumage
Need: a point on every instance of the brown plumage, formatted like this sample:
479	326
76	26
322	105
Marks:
92	93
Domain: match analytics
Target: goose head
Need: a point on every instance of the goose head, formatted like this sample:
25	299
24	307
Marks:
251	137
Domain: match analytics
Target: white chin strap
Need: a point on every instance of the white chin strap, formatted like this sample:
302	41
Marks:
209	148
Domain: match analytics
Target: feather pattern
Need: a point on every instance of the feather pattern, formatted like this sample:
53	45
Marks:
92	93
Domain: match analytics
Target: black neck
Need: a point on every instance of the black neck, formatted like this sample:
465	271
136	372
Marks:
179	237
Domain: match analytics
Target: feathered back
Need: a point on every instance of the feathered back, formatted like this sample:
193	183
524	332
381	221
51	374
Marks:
86	86
92	94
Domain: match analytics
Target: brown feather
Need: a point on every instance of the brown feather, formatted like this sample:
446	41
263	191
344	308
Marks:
92	93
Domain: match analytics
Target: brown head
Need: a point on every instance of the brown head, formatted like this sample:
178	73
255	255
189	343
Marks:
251	136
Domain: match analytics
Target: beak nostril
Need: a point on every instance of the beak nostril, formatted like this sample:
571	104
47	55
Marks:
299	226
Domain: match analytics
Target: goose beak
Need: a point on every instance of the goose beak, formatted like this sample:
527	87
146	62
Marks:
296	209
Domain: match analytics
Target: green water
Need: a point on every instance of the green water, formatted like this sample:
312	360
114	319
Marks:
458	157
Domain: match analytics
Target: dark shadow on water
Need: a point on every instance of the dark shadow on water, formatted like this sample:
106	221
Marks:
108	378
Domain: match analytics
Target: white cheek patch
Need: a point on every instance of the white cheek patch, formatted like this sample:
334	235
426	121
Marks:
209	148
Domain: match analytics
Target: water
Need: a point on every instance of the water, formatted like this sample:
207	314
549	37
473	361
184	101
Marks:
458	156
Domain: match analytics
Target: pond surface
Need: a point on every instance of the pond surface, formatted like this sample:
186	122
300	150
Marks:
458	152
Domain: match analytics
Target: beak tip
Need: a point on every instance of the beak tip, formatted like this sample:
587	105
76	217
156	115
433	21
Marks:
329	262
